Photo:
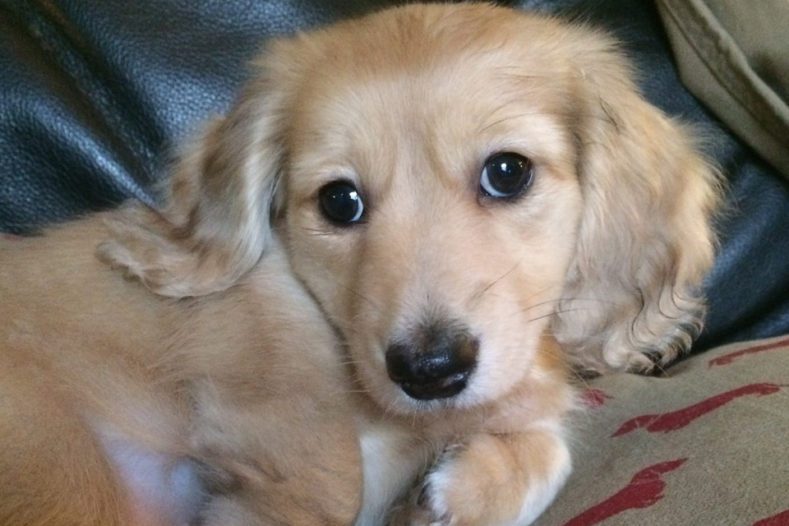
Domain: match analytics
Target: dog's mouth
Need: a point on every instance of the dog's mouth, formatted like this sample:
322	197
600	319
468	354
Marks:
442	388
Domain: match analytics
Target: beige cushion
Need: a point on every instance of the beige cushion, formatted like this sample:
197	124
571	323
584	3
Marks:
706	445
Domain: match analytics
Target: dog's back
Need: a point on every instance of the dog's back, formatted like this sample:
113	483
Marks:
72	340
113	398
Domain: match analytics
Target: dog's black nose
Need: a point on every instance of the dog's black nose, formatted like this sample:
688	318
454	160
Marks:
435	362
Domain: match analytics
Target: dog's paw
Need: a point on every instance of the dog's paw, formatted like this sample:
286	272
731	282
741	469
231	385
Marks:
414	511
647	344
649	361
490	480
469	485
419	507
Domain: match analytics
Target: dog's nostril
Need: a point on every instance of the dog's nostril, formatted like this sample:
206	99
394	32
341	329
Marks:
434	364
398	363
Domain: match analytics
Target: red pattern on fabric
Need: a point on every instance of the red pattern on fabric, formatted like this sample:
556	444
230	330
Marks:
674	420
782	519
645	489
593	397
726	359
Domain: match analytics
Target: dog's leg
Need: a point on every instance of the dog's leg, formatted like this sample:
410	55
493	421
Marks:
286	459
503	479
52	470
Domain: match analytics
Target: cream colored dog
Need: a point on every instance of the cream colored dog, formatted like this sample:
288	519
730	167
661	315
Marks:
475	198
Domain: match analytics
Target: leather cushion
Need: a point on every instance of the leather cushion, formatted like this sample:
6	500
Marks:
95	93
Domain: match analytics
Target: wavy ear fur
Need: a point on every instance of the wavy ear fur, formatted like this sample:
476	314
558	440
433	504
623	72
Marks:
632	298
215	225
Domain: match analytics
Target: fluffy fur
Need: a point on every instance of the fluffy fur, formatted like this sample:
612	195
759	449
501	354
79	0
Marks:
114	401
598	264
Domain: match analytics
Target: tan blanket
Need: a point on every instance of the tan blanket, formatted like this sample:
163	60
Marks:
706	445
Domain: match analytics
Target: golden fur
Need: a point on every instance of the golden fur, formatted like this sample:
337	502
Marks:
93	364
598	265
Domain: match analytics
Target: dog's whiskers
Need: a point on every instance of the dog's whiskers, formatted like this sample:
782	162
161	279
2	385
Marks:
389	409
481	292
559	311
350	362
557	300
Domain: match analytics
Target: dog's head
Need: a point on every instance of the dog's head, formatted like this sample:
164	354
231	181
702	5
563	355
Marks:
450	182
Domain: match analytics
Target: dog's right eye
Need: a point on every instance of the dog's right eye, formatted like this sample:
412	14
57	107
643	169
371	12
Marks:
341	203
506	175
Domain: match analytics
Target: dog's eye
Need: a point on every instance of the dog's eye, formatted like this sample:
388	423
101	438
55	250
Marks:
341	203
505	175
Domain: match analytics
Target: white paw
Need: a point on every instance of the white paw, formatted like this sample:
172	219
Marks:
501	480
426	504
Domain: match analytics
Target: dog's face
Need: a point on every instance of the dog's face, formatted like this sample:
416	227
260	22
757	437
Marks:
432	208
452	182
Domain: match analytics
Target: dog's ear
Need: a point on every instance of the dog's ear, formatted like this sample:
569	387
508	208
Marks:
219	198
645	241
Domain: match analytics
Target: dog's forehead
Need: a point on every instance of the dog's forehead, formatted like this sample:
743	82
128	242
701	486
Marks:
430	53
450	80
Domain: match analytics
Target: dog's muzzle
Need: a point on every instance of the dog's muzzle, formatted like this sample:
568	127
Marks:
434	361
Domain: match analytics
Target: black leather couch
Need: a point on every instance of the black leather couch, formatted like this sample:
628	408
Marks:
93	94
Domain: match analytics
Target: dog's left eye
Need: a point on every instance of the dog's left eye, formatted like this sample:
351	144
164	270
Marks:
505	175
341	203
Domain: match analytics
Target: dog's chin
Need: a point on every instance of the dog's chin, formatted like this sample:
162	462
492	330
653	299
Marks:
396	401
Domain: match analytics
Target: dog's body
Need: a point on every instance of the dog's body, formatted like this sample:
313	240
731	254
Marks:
114	400
470	200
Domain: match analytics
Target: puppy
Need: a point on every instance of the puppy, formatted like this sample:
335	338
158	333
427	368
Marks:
476	199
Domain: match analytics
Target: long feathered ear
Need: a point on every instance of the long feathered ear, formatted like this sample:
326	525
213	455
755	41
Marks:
632	299
216	222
